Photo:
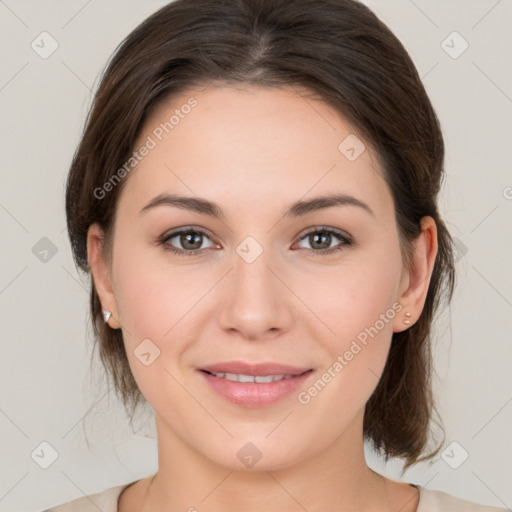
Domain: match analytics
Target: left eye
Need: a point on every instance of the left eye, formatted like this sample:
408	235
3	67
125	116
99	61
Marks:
320	240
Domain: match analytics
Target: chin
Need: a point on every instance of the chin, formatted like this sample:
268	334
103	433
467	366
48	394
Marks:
256	453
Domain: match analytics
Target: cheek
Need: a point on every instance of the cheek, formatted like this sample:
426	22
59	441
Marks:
153	301
352	296
159	306
153	297
357	301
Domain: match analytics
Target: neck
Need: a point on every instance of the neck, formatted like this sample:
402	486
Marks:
337	478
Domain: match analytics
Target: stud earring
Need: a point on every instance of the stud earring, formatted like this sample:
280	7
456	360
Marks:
106	315
407	321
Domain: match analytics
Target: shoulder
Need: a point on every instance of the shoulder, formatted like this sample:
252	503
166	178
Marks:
439	501
106	501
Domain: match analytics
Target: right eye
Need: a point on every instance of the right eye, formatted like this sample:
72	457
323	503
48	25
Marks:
190	239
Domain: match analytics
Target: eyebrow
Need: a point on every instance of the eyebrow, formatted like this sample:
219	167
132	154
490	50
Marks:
300	208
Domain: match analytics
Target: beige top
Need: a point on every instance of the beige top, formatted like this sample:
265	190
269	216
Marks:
429	501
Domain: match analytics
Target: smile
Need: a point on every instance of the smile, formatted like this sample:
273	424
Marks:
240	377
254	391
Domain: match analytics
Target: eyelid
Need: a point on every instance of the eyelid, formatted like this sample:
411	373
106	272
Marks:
328	229
184	229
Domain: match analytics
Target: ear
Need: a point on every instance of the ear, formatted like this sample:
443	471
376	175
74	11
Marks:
101	273
415	282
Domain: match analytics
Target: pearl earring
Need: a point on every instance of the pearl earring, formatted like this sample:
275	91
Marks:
106	315
407	321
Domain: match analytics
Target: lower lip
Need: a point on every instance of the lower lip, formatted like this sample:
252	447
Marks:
255	394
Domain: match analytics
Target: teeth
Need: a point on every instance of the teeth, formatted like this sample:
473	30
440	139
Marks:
240	377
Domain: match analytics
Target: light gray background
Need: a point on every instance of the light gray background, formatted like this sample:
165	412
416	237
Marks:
47	393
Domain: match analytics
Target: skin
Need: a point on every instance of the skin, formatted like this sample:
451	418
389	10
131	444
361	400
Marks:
254	151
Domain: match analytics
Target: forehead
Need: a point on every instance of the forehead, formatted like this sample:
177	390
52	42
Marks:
240	143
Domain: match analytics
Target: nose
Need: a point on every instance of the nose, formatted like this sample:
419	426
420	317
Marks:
257	305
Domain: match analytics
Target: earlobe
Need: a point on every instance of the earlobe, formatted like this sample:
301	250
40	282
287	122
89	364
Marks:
417	279
100	273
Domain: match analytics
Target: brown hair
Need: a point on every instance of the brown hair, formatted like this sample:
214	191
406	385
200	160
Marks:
337	49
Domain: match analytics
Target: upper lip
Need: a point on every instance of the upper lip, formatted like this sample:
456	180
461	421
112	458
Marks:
255	369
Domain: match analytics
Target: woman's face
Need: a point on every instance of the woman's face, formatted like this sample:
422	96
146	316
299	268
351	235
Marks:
266	285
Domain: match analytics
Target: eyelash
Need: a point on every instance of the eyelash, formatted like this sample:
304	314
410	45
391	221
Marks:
345	239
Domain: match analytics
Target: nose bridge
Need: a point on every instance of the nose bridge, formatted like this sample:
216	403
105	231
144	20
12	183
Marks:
251	271
254	283
257	300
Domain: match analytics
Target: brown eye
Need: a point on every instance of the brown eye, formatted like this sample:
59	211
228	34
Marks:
191	240
321	240
186	242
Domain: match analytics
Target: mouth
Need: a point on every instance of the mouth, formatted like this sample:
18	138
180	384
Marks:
254	386
261	379
253	369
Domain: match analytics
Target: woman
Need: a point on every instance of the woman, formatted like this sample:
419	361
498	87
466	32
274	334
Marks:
254	196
